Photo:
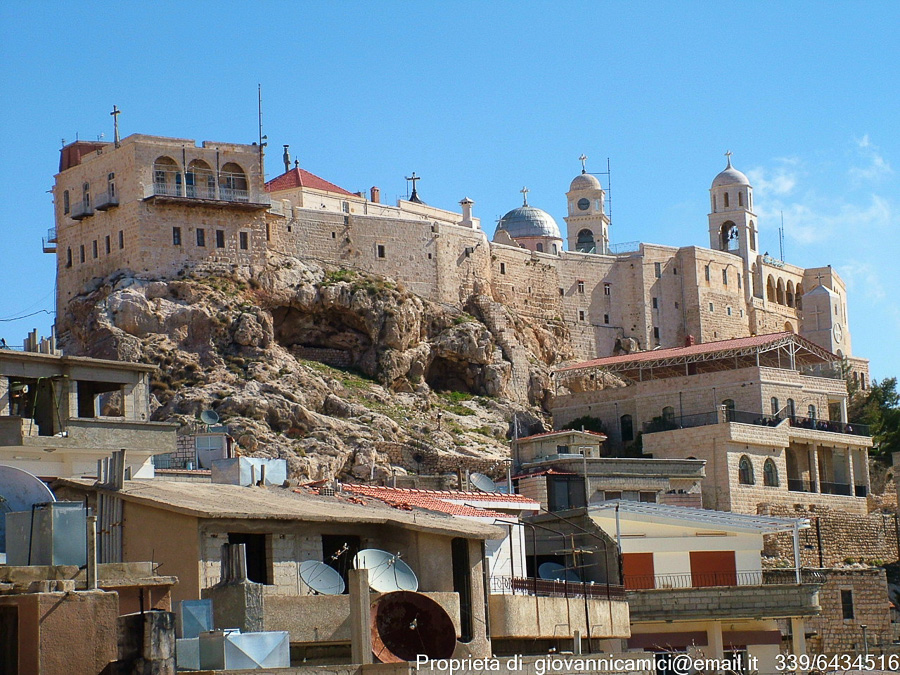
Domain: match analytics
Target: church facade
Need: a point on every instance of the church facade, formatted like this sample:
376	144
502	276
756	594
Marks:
156	206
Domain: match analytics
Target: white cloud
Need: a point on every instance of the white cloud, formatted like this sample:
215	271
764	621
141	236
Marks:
778	181
875	165
863	278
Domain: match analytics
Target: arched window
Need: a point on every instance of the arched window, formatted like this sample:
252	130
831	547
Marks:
745	471
752	236
791	408
740	198
788	327
200	180
233	185
555	249
798	296
715	206
86	196
779	292
789	295
166	177
585	242
776	408
811	412
540	247
66	202
730	236
668	416
627	427
706	272
770	474
770	289
725	199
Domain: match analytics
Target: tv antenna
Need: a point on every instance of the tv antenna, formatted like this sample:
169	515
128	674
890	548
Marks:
262	137
781	238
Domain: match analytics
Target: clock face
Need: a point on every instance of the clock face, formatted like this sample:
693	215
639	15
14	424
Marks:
584	204
838	332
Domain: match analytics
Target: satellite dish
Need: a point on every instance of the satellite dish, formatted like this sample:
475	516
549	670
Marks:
321	578
552	571
482	482
387	572
406	624
209	417
19	491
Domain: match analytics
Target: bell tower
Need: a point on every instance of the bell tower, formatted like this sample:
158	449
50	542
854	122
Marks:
587	225
732	223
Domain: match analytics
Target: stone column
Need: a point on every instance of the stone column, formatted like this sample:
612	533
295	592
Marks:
714	640
850	475
360	632
4	396
844	409
798	639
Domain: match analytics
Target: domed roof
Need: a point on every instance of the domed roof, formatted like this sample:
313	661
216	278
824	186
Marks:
730	176
585	181
527	221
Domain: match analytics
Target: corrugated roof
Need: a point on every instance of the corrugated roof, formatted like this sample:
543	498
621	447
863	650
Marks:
720	346
723	520
298	177
215	500
563	431
454	503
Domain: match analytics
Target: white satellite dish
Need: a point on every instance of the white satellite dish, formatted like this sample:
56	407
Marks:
483	483
387	572
209	417
321	578
552	571
19	491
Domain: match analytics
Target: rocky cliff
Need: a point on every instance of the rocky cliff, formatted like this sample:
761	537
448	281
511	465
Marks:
339	372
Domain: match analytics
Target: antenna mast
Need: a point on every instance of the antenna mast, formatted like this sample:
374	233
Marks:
781	238
608	174
262	138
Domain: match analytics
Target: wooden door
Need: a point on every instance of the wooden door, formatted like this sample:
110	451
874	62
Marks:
713	568
637	570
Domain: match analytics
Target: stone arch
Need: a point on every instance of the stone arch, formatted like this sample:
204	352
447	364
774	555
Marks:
725	199
586	242
200	180
752	236
730	236
789	327
166	176
779	291
798	296
233	184
770	289
745	471
770	473
789	293
740	198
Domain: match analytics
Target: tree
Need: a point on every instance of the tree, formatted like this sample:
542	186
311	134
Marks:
878	407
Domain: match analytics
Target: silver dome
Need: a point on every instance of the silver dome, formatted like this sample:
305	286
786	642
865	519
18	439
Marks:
585	181
527	221
730	176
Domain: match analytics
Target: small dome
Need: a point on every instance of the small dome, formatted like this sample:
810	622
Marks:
527	221
730	176
585	181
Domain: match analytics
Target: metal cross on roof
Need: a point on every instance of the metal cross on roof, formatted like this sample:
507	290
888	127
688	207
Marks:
115	115
583	159
524	192
728	154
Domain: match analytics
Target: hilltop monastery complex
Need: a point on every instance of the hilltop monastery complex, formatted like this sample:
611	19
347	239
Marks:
154	206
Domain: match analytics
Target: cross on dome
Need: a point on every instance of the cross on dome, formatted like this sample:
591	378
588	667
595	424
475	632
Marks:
583	159
524	192
728	154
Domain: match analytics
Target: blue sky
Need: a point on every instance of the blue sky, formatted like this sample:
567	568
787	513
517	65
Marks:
483	98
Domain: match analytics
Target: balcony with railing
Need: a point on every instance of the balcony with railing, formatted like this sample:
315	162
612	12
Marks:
560	607
670	423
827	488
81	210
51	235
106	200
231	190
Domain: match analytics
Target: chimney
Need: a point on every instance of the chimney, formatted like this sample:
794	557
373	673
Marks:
689	341
376	195
287	159
466	204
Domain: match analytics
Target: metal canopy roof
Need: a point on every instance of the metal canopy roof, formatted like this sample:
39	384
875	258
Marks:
721	519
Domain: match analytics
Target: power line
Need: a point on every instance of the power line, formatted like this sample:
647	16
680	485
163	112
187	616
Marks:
25	316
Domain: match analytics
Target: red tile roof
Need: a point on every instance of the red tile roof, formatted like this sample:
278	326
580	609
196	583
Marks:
443	501
693	350
298	177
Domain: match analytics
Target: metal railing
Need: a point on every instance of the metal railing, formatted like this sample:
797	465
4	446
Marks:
800	485
827	488
669	423
226	194
625	247
636	582
506	585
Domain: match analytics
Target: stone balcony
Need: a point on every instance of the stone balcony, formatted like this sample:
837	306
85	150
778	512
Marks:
769	601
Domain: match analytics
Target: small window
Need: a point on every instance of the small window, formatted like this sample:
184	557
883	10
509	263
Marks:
606	318
725	199
220	238
728	311
502	268
581	315
121	239
108	245
745	471
609	495
334	235
656	332
647	497
725	277
626	424
657	269
268	232
775	406
95	249
706	272
68	257
811	412
201	237
65	202
562	291
176	236
86	196
581	286
379	251
607	289
540	247
111	184
847	604
655	303
244	240
711	307
675	271
345	207
739	280
770	474
740	198
82	252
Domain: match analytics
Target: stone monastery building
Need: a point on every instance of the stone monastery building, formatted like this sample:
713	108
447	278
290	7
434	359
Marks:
154	206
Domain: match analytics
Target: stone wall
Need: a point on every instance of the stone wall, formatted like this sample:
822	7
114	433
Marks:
840	537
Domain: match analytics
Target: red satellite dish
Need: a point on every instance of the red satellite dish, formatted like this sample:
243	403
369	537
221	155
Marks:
406	624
